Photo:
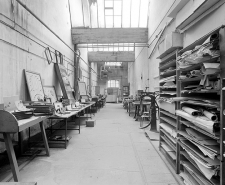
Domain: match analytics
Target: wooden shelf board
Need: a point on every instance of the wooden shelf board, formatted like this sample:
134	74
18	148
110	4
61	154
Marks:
169	143
201	92
168	135
167	65
168	51
169	159
168	57
211	77
169	73
167	87
200	103
168	114
171	154
169	120
191	79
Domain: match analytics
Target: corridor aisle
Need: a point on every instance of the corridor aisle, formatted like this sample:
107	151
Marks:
114	152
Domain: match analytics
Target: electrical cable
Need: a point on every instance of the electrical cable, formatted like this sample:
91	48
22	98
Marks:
28	36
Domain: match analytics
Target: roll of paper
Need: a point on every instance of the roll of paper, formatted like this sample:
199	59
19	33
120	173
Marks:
195	73
209	115
191	111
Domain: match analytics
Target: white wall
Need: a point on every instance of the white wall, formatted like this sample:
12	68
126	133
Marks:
157	21
18	52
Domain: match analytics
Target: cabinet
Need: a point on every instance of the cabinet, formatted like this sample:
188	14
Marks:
192	139
126	91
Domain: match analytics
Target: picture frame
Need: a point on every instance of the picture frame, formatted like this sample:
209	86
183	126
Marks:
50	93
48	55
34	84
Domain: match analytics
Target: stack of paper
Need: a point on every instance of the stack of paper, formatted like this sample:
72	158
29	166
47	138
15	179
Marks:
191	169
169	129
168	79
207	166
200	121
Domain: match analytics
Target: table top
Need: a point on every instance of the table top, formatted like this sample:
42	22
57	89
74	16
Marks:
26	123
73	112
144	103
8	123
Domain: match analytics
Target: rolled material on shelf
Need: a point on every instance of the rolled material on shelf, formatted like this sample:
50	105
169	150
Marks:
214	36
191	111
195	73
199	121
211	116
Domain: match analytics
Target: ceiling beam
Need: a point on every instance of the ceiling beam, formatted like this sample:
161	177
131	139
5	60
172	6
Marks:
110	56
109	35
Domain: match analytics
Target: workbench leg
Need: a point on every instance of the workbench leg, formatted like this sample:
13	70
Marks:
66	135
44	138
129	108
12	157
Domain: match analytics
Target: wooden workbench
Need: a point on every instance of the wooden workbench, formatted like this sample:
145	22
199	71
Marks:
9	125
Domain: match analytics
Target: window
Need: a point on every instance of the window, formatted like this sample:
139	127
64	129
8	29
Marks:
109	47
113	83
113	63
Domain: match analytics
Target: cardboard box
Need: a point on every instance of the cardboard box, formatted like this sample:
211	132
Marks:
90	123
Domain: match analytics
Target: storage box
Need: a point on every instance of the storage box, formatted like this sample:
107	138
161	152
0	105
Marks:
90	123
171	41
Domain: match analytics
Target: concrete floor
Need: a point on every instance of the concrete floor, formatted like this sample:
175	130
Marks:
115	151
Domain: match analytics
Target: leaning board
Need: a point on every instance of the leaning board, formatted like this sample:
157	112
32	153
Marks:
34	85
50	93
64	81
82	88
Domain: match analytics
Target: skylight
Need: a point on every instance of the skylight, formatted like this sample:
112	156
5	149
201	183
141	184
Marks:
109	13
109	47
113	63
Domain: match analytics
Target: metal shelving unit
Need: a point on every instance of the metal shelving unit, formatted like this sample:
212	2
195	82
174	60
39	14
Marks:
167	143
182	151
188	150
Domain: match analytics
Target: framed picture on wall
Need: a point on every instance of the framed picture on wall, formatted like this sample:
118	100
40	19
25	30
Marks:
48	55
82	88
50	93
34	84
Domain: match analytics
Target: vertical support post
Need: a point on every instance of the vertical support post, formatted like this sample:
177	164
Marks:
178	106
76	64
45	140
90	78
66	134
222	105
12	157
